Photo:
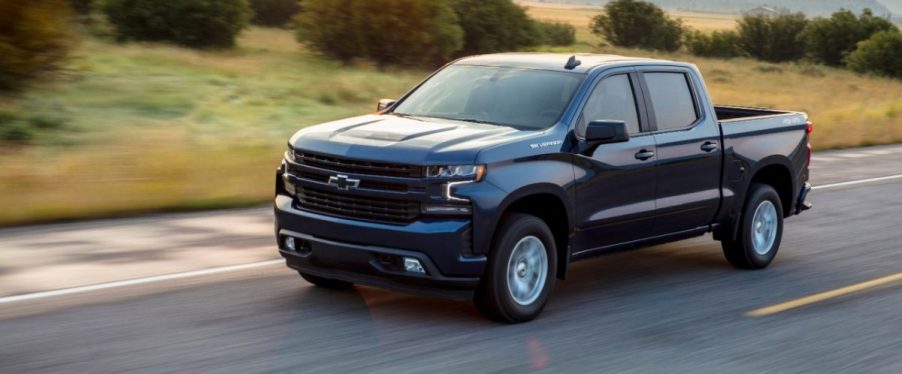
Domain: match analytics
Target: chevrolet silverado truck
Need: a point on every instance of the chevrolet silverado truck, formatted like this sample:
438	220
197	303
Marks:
486	180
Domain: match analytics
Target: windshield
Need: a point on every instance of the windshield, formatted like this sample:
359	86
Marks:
521	98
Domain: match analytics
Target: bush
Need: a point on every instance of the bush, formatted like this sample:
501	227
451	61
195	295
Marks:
632	23
495	26
881	54
34	39
721	44
556	33
274	13
82	7
192	23
772	38
407	32
828	40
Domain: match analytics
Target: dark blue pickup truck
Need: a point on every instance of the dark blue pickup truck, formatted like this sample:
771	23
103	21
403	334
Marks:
487	179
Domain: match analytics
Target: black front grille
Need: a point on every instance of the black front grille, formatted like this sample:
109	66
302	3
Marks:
358	166
369	208
322	177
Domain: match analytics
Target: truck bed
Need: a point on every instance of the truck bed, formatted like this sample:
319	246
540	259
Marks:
730	113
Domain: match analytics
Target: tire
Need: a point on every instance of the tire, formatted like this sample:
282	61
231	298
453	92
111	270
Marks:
761	223
515	286
334	284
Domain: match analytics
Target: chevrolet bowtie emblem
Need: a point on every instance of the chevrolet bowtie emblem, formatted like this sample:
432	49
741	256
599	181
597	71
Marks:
342	182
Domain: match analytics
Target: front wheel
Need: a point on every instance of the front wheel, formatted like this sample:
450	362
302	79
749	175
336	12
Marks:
760	230
521	270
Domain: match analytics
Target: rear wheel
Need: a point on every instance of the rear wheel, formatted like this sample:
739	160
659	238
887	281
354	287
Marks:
760	230
326	282
521	270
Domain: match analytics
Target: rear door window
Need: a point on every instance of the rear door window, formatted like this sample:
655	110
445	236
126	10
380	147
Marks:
671	100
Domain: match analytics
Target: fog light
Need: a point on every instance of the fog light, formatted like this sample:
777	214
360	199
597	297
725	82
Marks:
447	209
413	265
289	244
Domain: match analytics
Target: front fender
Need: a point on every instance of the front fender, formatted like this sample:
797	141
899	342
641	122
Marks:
507	182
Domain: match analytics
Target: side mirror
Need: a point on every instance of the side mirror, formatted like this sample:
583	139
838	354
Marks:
385	104
606	131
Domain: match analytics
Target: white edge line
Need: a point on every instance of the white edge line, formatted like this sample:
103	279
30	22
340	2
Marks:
860	181
230	268
137	281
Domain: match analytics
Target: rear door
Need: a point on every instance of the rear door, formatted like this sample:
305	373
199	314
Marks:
615	182
688	149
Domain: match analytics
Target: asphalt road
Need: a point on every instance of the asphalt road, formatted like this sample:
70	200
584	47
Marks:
671	308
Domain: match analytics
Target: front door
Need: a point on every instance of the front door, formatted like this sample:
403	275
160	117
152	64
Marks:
615	193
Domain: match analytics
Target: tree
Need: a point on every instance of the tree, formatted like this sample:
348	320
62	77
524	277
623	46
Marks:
638	24
34	39
407	32
772	38
192	23
82	6
721	44
881	54
274	13
828	40
495	26
556	33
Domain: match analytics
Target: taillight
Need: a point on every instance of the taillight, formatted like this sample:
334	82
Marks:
809	128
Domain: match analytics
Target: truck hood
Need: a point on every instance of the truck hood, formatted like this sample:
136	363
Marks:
409	140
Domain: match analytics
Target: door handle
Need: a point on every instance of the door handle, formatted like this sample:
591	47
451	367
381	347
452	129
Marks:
644	155
709	146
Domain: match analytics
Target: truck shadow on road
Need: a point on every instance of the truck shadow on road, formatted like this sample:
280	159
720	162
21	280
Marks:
620	277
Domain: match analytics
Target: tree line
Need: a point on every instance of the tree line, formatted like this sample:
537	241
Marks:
36	35
864	43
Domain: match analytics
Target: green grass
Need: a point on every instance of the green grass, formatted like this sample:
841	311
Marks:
148	127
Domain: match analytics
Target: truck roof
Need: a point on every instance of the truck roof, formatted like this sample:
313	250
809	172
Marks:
556	61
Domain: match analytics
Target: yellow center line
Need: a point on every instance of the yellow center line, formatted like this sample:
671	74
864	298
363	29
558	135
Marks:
816	298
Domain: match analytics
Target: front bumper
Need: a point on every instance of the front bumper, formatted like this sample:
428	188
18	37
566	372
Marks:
368	252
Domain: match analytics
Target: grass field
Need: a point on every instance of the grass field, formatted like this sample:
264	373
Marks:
148	127
848	109
153	127
581	15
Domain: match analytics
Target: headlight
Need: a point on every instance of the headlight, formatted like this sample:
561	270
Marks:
472	172
289	154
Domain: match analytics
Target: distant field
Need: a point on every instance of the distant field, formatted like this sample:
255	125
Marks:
150	127
848	109
581	15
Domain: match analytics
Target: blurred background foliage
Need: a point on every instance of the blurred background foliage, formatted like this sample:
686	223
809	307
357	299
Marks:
405	32
274	13
112	107
35	36
192	23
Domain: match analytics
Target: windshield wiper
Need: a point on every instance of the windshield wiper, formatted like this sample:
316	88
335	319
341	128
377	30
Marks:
473	120
405	115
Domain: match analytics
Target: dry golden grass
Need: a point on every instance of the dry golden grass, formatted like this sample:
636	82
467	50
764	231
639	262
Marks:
153	127
848	109
580	16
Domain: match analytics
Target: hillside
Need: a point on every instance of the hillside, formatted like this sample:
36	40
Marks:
810	7
151	127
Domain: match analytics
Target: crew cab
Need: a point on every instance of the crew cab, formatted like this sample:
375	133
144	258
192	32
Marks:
486	180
